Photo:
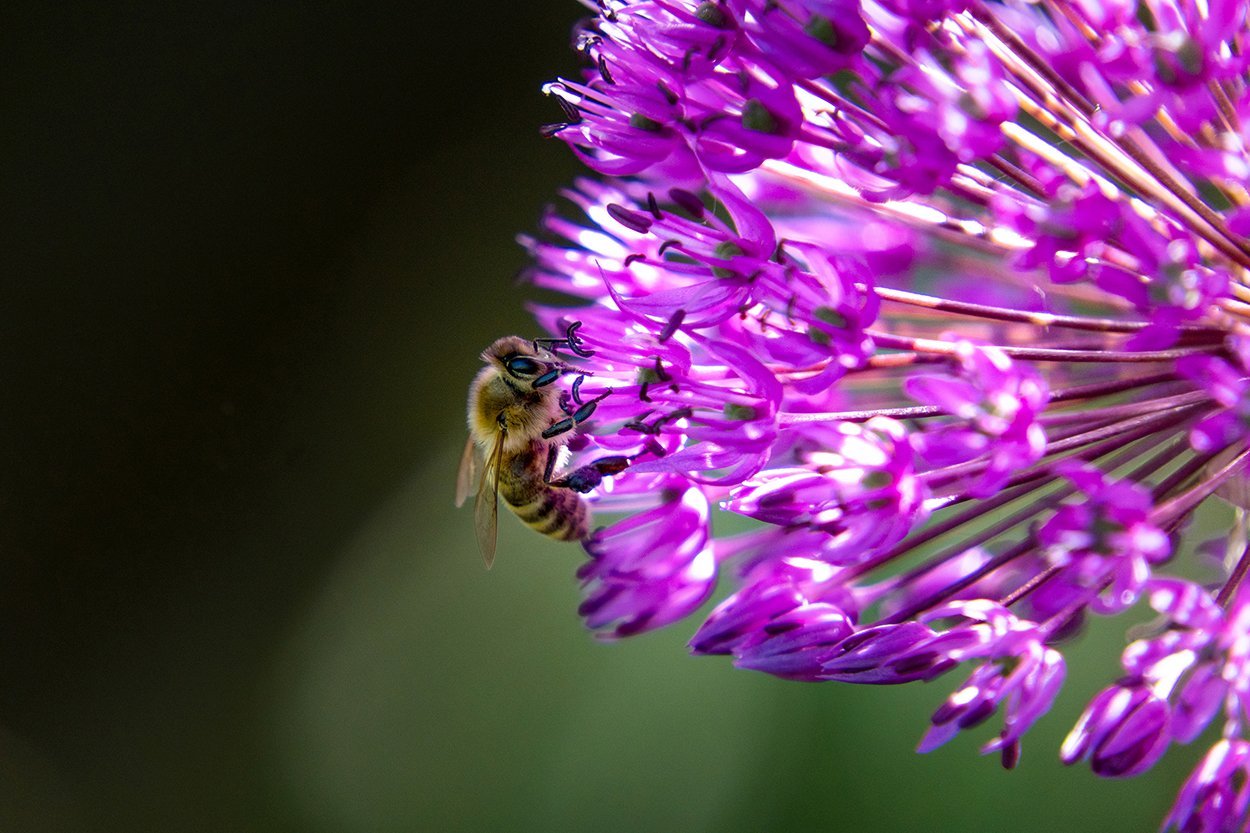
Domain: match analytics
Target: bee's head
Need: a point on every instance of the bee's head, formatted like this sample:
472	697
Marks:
522	363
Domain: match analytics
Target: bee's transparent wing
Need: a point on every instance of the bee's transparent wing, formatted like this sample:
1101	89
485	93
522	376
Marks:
467	475
486	508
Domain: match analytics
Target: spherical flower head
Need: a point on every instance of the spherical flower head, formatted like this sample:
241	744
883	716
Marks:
950	300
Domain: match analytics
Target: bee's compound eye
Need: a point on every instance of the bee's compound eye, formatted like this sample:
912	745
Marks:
522	366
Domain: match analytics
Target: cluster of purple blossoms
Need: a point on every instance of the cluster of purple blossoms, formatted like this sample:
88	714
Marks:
951	297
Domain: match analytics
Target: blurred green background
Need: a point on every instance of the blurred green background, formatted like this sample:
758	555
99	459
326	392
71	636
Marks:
251	252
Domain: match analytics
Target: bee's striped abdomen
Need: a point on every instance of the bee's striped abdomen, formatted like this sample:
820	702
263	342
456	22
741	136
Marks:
560	513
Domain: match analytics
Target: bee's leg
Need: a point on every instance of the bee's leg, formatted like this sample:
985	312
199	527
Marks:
591	475
550	468
576	418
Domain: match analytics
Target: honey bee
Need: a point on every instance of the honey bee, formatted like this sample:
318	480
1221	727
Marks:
519	423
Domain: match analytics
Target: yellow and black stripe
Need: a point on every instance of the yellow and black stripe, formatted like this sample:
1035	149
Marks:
559	513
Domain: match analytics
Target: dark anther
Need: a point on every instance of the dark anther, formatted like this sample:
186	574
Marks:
671	326
659	374
640	426
659	422
688	202
632	220
547	131
633	258
603	69
1011	754
680	413
669	95
917	662
715	48
575	343
666	245
653	206
570	110
577	388
570	341
637	424
577	417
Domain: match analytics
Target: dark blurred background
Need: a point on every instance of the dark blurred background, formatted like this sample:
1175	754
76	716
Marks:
250	254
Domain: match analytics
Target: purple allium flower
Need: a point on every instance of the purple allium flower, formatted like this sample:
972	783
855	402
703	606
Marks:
1123	731
950	301
1216	798
653	567
1017	669
859	489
